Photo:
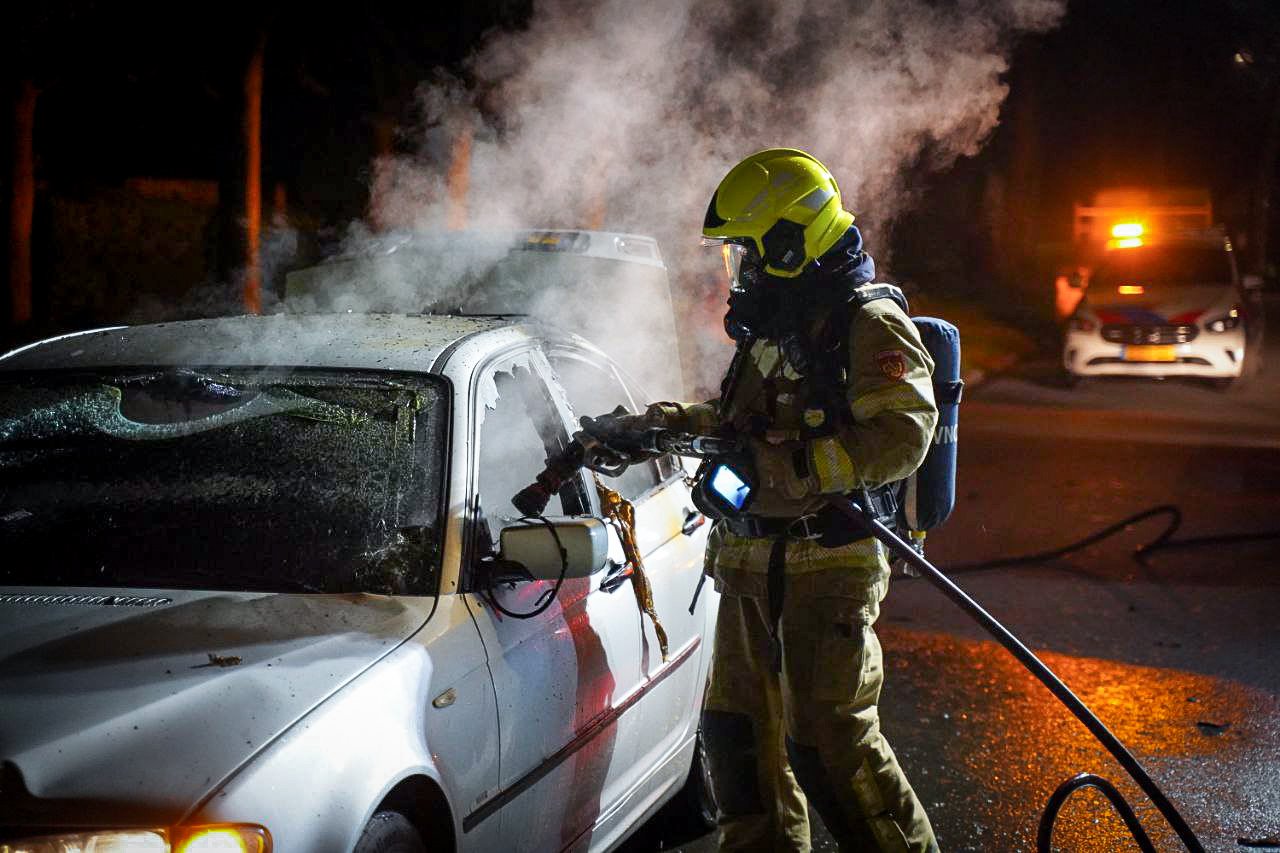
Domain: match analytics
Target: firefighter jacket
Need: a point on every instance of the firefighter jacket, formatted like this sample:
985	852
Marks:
882	437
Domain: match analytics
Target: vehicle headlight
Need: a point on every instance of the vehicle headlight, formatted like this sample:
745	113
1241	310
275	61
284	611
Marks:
200	839
1083	324
1225	323
133	841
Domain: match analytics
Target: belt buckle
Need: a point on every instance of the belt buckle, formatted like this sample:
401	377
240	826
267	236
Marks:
803	522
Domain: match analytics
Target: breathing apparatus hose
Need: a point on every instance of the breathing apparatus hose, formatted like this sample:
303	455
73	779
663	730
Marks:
1028	659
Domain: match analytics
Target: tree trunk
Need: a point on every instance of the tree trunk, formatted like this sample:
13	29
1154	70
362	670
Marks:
459	178
252	125
22	203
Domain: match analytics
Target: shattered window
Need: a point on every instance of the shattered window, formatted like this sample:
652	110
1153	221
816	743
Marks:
178	479
519	431
594	390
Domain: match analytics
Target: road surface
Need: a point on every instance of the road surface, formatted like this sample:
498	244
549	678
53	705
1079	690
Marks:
1180	658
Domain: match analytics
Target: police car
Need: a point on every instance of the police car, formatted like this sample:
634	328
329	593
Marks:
1166	306
259	582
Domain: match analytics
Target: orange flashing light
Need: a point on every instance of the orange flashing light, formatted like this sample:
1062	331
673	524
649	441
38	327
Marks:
726	252
1131	290
226	839
1127	229
1126	243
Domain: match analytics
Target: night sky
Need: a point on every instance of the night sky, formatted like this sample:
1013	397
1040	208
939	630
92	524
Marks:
1123	92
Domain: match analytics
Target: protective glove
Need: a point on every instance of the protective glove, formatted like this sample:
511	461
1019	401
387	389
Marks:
661	414
615	440
780	467
614	428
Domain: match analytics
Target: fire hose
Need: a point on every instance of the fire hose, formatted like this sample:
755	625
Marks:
1056	686
587	451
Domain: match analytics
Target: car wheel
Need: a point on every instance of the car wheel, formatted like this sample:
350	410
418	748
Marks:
389	832
694	808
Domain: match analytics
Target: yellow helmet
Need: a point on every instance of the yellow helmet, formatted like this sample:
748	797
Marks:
784	203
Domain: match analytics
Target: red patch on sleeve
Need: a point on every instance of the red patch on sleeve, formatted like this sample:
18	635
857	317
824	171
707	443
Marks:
893	363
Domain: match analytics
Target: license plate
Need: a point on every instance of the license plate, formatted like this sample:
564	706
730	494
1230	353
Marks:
1151	353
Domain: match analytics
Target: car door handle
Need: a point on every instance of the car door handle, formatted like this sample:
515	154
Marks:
617	576
692	521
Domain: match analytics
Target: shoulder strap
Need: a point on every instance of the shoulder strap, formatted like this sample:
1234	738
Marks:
730	382
858	297
870	292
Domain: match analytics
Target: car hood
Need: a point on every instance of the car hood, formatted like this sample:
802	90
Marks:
1175	306
124	710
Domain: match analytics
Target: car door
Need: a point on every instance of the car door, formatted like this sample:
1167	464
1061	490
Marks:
558	676
672	538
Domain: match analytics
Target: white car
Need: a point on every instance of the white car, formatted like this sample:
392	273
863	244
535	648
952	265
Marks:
1166	308
249	600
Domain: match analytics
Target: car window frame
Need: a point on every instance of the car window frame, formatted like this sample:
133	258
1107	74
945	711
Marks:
555	349
473	519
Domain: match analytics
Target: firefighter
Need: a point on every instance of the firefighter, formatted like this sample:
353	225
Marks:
833	395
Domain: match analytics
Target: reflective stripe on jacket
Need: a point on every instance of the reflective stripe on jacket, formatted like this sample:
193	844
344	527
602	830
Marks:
891	419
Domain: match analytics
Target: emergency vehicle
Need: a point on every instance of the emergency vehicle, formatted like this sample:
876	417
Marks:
1161	297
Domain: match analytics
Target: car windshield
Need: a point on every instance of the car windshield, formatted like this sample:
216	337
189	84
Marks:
190	480
1164	267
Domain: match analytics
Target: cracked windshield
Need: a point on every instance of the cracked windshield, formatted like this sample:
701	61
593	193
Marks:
176	479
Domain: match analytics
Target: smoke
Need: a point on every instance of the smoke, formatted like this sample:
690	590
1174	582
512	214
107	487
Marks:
625	116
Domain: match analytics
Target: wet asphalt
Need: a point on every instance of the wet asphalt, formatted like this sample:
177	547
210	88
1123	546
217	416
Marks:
1180	657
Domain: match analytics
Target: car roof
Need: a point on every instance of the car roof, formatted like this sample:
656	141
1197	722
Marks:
338	341
611	245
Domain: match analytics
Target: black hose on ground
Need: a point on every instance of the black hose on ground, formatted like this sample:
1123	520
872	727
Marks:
1165	541
1044	838
1033	664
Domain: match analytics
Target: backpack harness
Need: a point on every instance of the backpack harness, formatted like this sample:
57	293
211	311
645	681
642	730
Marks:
913	505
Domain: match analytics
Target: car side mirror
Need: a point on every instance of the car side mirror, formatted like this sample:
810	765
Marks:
534	545
1251	282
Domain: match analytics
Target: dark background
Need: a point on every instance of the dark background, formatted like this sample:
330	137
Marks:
138	148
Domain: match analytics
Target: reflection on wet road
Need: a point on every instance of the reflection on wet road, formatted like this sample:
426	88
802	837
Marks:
987	746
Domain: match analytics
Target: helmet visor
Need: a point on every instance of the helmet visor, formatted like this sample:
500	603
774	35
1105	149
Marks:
738	258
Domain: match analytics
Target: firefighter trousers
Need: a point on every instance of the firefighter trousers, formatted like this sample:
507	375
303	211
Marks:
813	726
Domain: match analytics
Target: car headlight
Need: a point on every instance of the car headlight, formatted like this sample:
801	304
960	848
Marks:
133	841
223	839
1083	324
200	839
1225	323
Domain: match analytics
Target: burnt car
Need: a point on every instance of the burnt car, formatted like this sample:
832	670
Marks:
262	589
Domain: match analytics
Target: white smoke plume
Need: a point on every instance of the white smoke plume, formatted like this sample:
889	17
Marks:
625	115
